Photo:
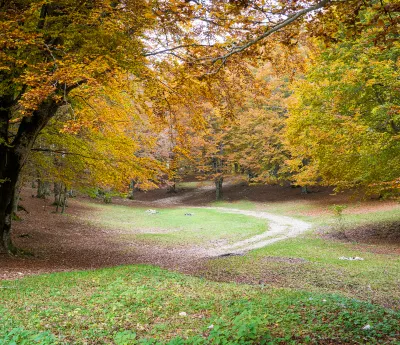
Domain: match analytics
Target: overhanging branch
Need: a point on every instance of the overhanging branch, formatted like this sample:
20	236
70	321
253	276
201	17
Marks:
269	32
62	152
240	48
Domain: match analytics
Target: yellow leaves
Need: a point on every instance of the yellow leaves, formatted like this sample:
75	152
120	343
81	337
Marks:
150	15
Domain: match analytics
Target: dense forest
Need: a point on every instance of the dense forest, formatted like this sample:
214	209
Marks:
107	97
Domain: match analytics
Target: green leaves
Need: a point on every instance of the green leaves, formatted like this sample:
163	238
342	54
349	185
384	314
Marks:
125	338
344	122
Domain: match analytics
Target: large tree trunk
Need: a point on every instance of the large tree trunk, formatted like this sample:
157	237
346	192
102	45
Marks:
13	156
57	192
9	170
132	190
64	202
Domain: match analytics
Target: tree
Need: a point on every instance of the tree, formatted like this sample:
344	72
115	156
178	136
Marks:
107	151
51	51
344	122
255	142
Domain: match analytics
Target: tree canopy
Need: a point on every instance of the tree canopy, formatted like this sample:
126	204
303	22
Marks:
109	93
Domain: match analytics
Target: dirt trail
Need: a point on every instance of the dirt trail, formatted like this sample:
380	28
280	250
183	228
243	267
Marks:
280	228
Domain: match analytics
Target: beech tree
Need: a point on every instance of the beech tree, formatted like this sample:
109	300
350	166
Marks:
344	122
255	136
49	51
107	152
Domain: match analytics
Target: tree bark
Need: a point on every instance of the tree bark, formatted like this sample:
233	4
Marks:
304	190
43	189
132	190
218	187
16	196
59	197
9	163
64	202
56	191
13	156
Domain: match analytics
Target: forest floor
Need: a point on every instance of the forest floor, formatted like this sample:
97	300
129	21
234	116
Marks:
266	237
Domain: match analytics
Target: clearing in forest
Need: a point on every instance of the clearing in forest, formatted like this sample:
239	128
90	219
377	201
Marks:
285	254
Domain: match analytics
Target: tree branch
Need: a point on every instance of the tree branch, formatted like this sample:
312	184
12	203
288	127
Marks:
68	89
62	152
240	48
168	50
269	32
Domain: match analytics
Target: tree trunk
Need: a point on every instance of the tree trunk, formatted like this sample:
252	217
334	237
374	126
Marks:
58	203
9	171
64	202
132	190
218	187
43	189
16	196
13	155
56	192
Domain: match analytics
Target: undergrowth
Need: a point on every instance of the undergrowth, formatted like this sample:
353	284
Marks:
147	305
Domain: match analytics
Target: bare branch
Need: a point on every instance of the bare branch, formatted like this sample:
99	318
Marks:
74	86
168	50
240	48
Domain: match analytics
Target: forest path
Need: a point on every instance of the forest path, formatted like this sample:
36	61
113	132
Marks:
279	228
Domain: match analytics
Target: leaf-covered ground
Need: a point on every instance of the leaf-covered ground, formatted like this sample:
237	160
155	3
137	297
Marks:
148	305
296	291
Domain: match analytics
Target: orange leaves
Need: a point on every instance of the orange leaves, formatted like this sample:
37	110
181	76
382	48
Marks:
47	49
34	97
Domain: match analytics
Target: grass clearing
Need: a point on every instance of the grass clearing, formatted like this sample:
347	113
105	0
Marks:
298	290
194	184
240	205
313	264
316	214
173	226
376	279
144	305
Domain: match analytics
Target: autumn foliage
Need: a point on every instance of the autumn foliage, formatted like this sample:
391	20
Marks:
111	94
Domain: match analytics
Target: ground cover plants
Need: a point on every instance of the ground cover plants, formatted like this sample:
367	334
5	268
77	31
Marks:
218	300
147	305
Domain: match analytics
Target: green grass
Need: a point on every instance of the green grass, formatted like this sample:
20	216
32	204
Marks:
300	208
141	305
351	220
173	227
299	291
372	217
376	279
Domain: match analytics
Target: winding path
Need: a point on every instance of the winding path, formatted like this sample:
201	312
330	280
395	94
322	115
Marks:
280	228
